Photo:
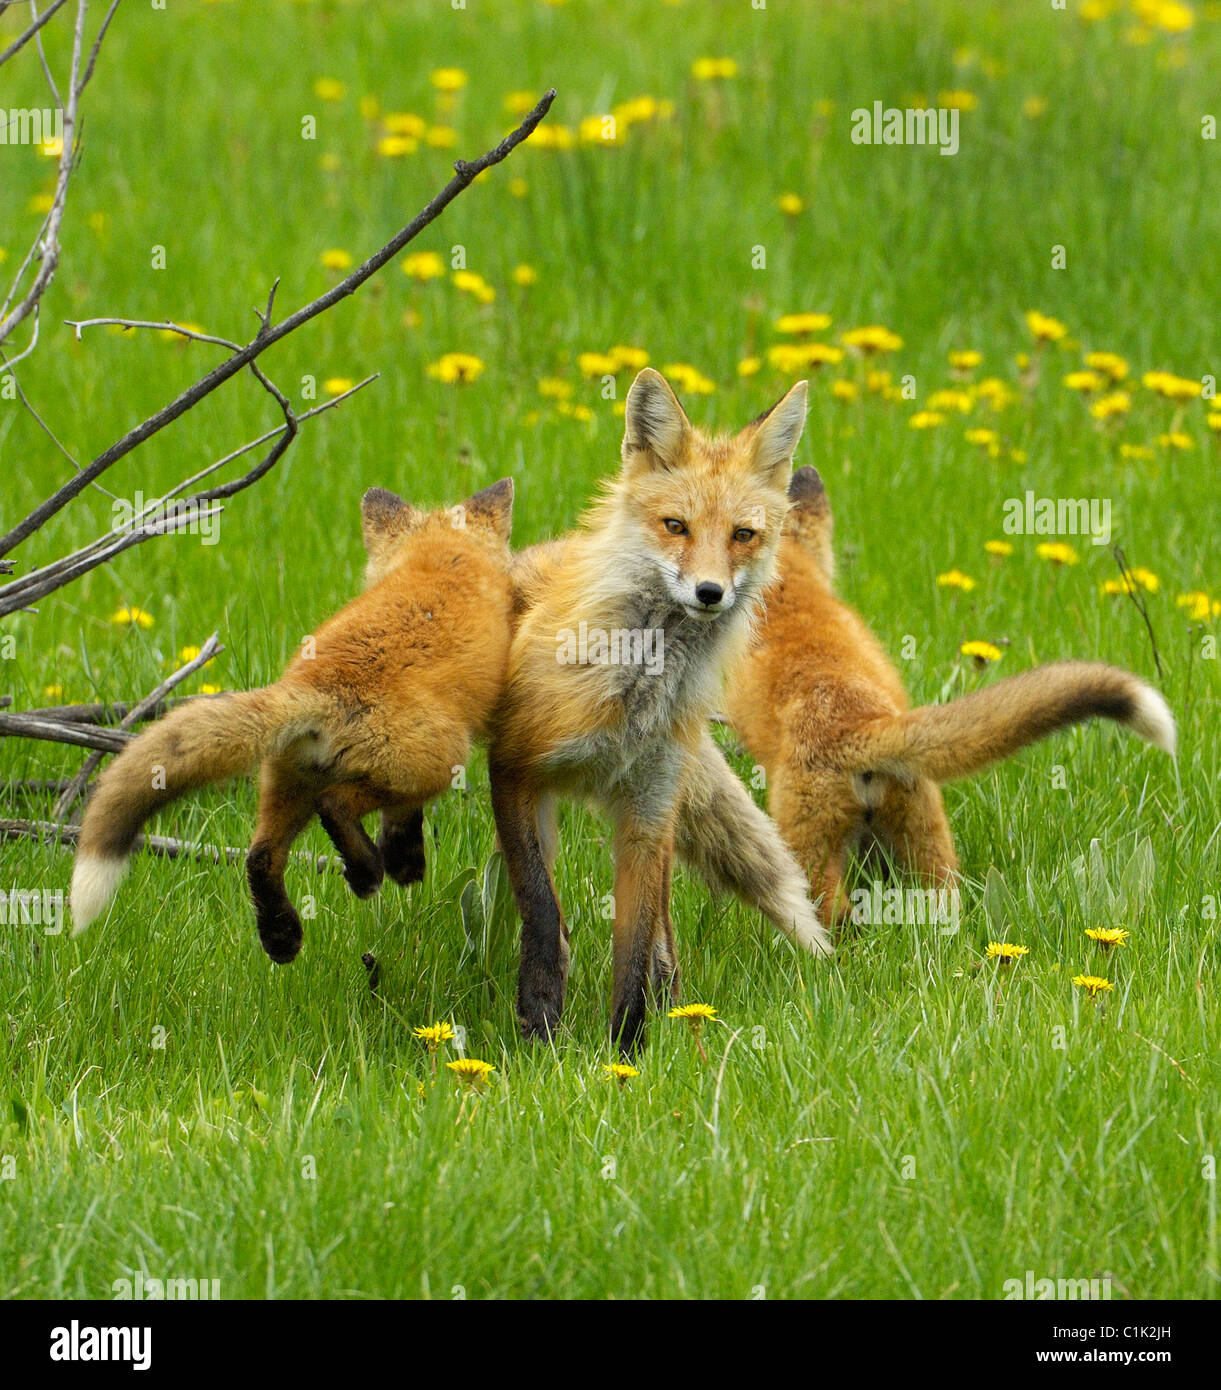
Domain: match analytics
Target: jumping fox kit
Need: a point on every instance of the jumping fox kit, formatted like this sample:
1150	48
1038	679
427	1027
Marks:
848	764
375	718
681	546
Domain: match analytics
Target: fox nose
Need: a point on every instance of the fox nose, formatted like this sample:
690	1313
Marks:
709	593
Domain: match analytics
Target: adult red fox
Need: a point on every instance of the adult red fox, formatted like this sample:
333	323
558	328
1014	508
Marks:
624	633
822	710
377	713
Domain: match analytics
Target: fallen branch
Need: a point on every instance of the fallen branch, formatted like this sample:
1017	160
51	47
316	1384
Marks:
210	649
31	725
44	830
108	714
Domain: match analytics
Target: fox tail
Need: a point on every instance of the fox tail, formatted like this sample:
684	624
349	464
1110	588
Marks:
206	740
943	742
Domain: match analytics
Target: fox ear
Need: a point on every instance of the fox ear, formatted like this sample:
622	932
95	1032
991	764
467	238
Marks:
384	517
777	432
493	508
655	424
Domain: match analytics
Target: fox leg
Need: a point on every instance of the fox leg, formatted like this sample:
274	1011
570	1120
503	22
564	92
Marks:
401	843
917	830
664	974
734	847
643	936
543	974
340	809
286	803
819	816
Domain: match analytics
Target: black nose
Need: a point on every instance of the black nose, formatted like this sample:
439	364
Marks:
709	593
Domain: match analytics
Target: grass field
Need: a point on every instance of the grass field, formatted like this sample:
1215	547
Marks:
910	1121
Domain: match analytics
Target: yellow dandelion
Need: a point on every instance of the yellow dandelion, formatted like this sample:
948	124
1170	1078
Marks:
434	1034
336	259
41	202
1109	363
955	579
1108	937
1093	984
1033	107
395	146
872	338
984	439
1176	439
329	89
790	204
693	1011
1135	451
423	265
619	1071
1173	388
129	617
337	385
448	79
555	388
926	420
750	366
1199	606
803	323
965	359
471	1071
1005	952
456	368
1108	406
844	390
597	364
1045	329
209	689
1001	549
940	401
525	275
688	379
958	100
708	69
629	358
519	103
518	188
1084	381
983	653
404	123
53	692
1057	552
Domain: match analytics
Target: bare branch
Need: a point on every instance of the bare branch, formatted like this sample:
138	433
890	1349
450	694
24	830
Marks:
22	39
157	844
83	735
464	175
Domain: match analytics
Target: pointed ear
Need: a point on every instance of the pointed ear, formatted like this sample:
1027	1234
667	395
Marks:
493	508
656	427
383	517
776	433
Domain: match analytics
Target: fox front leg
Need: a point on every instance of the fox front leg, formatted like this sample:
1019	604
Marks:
340	810
401	844
643	948
543	974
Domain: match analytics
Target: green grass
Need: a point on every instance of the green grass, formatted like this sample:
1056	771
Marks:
902	1122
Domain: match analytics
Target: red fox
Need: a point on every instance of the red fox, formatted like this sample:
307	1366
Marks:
378	716
822	710
624	632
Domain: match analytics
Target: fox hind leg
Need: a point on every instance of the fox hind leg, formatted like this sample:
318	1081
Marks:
401	843
340	809
286	803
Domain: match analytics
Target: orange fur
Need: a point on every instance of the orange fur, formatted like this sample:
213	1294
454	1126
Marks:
376	713
821	708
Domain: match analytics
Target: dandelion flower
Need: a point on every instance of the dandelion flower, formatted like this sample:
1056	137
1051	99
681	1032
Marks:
985	439
872	338
983	652
1109	363
1005	952
404	123
423	265
554	387
844	390
958	100
1093	984
749	366
471	1071
336	259
698	1012
619	1071
1001	549
597	364
131	617
955	579
1199	606
1173	388
448	79
1176	439
1057	553
803	323
1045	329
337	385
1108	406
1084	381
926	420
708	69
329	89
525	275
434	1034
1108	937
965	360
630	358
519	103
395	146
456	368
688	379
470	283
790	204
53	692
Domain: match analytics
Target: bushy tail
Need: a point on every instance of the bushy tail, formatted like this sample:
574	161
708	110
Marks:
943	742
205	740
735	847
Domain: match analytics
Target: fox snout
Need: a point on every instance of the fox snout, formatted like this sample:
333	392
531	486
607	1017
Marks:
708	593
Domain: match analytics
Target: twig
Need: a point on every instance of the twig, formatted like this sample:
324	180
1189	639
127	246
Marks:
52	731
1138	598
107	714
156	844
464	175
211	648
22	39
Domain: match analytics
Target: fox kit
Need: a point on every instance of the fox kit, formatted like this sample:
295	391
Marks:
613	670
848	764
377	716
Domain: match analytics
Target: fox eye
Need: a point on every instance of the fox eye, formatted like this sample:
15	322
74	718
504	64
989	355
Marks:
674	526
743	534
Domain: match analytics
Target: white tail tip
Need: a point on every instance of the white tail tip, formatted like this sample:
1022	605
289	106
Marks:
1153	721
94	883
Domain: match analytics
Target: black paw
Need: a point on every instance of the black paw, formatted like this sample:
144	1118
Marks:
364	876
280	933
402	850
